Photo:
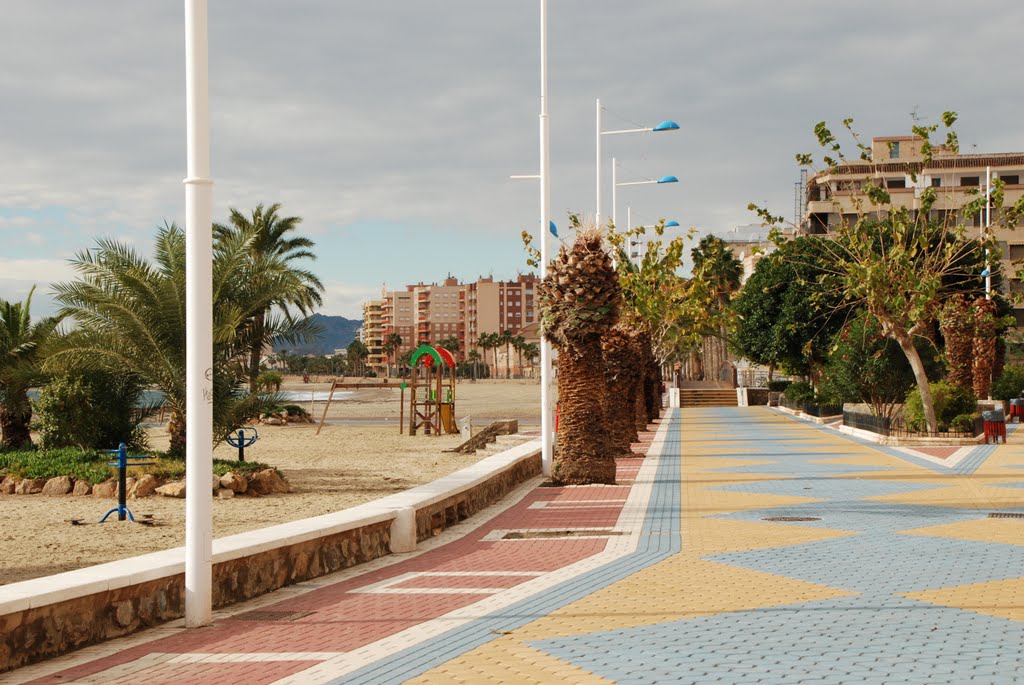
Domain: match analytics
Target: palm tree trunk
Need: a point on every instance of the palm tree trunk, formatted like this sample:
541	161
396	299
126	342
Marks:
583	455
621	376
258	325
508	361
14	424
176	429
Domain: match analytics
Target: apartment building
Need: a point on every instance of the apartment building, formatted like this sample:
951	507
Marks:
373	334
432	312
832	197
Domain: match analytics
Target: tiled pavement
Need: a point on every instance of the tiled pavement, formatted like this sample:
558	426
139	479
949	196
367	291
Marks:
893	574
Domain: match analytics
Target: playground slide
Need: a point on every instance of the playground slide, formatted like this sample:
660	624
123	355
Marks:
448	418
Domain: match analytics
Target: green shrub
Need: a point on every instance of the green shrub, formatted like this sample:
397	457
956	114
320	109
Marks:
90	410
950	401
778	386
269	380
799	391
295	410
963	423
244	468
88	465
1010	384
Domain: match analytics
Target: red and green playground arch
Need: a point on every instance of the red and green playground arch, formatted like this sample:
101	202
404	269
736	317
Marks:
432	394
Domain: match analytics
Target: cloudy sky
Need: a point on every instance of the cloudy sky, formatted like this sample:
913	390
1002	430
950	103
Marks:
391	128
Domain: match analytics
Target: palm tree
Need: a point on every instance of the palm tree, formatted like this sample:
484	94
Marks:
531	351
517	344
272	253
489	341
392	341
356	354
22	347
579	302
473	358
505	339
130	316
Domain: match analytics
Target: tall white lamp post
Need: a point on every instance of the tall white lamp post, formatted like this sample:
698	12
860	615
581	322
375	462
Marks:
198	323
666	125
616	185
546	427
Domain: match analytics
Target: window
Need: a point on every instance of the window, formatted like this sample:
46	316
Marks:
1009	180
894	150
969	181
936	182
895	183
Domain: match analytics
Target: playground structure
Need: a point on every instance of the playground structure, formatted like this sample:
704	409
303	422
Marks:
241	440
122	464
431	395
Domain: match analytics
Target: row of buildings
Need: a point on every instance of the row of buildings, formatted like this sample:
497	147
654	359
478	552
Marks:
433	312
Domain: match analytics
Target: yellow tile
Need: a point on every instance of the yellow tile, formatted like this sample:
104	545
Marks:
686	587
705	536
1005	531
999	598
508	660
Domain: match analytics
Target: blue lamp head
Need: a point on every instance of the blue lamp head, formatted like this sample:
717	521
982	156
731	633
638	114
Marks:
666	126
986	272
553	228
672	224
668	179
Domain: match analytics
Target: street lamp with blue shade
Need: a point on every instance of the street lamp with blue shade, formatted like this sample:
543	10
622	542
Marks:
668	179
672	224
665	125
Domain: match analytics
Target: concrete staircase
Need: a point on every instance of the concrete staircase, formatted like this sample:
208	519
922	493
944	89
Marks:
707	397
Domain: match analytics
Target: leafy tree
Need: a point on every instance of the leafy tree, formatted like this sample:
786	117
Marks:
530	351
718	265
272	252
1009	385
869	367
22	350
790	308
898	263
130	316
474	360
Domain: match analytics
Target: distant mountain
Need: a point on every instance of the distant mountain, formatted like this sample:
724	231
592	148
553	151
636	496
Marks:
338	332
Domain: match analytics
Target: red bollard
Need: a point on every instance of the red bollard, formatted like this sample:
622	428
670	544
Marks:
556	417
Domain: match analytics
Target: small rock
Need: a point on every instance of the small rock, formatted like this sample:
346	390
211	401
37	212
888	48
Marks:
234	482
61	485
144	487
129	485
107	488
267	482
215	483
225	493
273	421
175	489
81	488
30	486
7	486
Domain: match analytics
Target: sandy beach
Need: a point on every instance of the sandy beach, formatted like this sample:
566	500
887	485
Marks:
359	456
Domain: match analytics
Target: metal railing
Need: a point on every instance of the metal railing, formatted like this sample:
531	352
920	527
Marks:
812	408
898	427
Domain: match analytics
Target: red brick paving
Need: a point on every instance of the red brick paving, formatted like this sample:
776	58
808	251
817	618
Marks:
344	620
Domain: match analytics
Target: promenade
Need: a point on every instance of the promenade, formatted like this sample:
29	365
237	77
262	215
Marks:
747	547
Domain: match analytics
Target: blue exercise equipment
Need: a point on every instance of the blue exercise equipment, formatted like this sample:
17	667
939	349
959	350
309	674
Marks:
122	465
241	441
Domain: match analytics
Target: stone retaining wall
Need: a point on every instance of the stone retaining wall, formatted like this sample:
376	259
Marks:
45	617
